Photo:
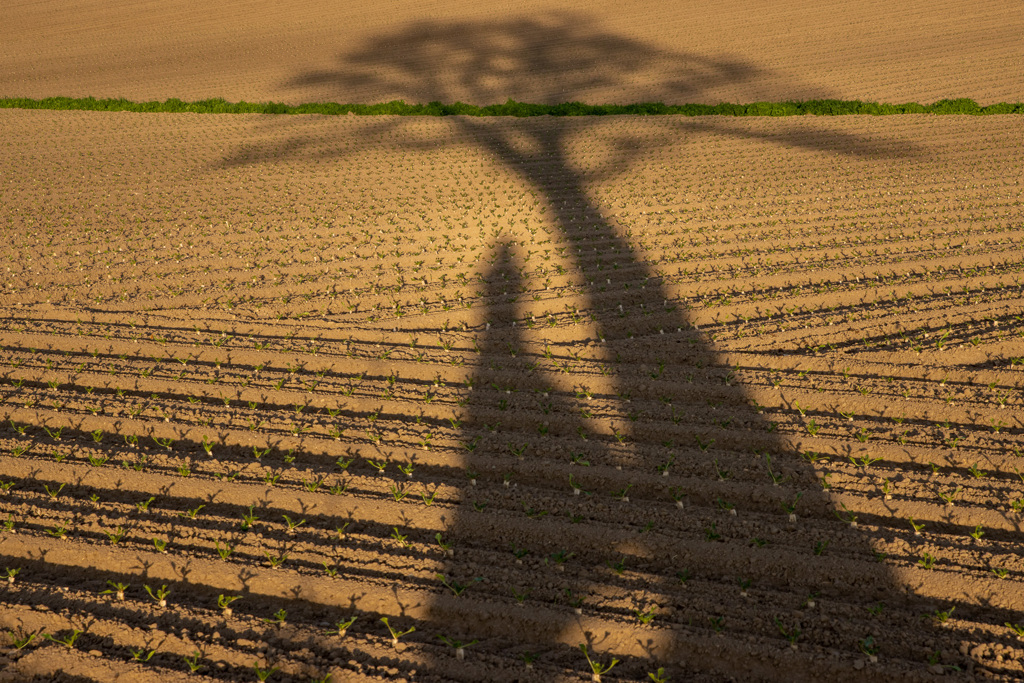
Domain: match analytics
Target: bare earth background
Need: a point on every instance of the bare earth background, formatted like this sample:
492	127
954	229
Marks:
876	50
736	398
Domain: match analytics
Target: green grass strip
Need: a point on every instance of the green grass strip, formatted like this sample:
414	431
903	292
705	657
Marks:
513	108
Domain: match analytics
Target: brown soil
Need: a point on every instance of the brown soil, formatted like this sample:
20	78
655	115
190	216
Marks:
394	334
681	51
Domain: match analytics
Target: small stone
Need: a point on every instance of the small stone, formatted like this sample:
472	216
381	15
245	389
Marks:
936	669
95	653
858	664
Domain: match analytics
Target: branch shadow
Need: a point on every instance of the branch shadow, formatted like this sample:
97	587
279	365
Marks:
585	499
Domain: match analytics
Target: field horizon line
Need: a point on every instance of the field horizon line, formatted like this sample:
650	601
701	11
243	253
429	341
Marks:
826	107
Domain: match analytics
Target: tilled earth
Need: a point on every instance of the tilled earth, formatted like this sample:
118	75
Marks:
443	400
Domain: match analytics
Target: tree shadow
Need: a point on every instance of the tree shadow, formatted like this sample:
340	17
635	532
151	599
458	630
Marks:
573	514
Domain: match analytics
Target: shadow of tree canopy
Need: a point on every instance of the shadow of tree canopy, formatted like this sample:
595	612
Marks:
573	532
547	59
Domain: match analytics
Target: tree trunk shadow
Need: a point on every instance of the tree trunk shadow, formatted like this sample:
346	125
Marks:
611	451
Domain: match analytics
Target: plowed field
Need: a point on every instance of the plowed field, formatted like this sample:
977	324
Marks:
558	50
741	399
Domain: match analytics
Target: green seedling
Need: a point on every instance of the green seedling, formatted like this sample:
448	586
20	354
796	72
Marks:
342	627
460	647
264	674
193	661
116	589
658	676
277	618
846	515
225	550
790	508
397	535
869	647
275	560
677	494
792	635
456	588
446	546
224	603
11	573
53	493
67	641
59	531
597	668
249	519
292	525
159	596
161	545
645	617
396	634
21	639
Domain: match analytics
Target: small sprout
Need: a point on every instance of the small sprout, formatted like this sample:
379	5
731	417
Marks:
277	618
455	587
401	538
264	674
868	647
927	560
396	634
53	493
275	560
342	627
460	647
68	641
596	667
292	525
159	596
645	617
141	655
658	676
21	639
792	635
193	661
446	546
225	551
116	589
224	602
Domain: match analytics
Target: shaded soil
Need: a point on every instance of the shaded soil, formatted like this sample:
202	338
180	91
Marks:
527	400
